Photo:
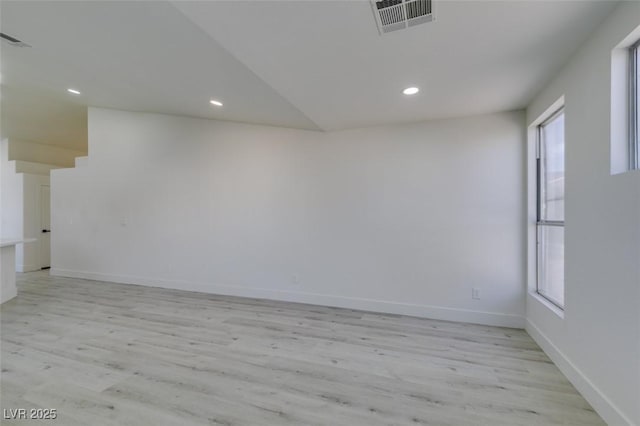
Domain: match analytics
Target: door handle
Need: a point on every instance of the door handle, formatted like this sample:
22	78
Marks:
44	231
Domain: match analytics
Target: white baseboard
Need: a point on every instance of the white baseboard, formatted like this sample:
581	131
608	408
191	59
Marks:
603	406
423	311
27	268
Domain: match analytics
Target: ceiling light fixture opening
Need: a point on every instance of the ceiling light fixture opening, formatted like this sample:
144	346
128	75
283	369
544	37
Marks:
216	103
410	90
73	91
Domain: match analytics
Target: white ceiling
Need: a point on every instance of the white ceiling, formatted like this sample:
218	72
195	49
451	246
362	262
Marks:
327	57
302	64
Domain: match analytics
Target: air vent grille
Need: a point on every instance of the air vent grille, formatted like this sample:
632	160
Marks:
13	41
392	15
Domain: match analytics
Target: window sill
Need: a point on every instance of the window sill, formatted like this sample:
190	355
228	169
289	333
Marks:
553	308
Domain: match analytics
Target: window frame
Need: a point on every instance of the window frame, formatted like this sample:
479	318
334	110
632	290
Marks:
634	106
541	222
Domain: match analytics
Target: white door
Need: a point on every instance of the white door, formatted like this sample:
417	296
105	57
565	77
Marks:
45	221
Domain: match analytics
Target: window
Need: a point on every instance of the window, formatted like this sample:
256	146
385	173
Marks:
550	208
634	107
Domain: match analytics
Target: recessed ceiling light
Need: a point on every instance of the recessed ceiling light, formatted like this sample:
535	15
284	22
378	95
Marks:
74	91
410	90
214	102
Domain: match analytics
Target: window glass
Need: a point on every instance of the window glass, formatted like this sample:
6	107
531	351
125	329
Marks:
636	107
550	238
552	140
551	271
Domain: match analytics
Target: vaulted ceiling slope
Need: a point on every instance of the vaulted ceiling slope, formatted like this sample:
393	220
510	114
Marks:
302	64
131	55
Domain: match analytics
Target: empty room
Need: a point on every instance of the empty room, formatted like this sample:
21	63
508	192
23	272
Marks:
336	212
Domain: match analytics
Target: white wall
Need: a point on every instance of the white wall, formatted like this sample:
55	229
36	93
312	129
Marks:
402	219
11	212
20	210
597	342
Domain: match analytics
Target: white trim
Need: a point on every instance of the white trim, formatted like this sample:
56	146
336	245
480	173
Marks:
603	405
555	106
553	308
423	311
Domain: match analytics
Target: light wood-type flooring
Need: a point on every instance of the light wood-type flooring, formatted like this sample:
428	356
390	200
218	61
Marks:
112	354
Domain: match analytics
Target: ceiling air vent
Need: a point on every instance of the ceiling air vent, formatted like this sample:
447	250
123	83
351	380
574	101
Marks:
392	15
13	41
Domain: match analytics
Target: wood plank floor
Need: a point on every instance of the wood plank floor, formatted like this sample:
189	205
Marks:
110	354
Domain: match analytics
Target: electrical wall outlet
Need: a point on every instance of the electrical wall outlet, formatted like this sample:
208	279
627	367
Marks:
475	293
295	280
